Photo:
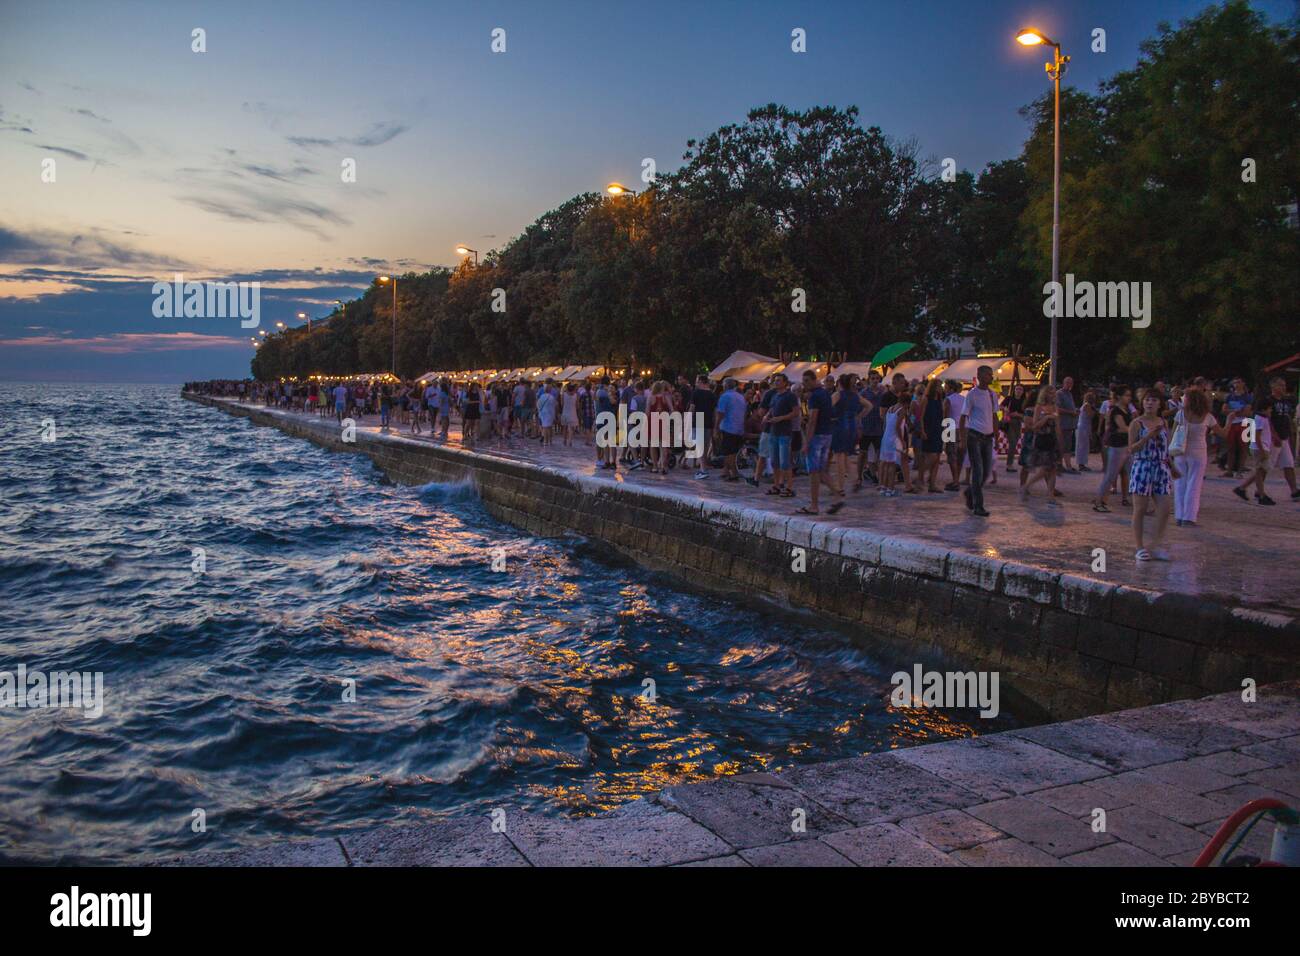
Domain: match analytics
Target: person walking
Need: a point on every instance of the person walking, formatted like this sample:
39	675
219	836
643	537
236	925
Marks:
976	426
1151	475
1083	430
1045	459
1115	442
729	427
1190	449
847	408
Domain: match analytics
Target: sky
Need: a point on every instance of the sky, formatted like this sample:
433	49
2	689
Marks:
228	164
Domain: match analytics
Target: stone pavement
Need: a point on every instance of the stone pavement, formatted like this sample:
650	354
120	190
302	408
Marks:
1165	777
1240	554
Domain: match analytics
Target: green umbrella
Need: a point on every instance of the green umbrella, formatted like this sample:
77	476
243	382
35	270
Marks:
891	352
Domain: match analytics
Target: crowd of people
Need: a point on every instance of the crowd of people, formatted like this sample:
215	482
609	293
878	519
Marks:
1154	445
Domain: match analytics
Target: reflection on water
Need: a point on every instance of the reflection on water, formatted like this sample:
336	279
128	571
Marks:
473	689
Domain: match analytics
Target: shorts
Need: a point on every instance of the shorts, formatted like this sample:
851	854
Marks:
765	445
727	444
870	441
819	449
1285	457
780	452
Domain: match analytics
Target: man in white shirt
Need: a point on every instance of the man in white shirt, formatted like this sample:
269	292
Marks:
976	426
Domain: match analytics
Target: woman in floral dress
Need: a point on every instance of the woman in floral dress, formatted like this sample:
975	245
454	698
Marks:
1151	474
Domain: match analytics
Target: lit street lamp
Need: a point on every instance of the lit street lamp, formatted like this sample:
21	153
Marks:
618	189
393	280
466	251
1031	37
304	315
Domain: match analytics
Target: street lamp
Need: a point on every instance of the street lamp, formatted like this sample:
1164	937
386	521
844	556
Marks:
393	280
467	251
279	325
618	189
1054	67
304	315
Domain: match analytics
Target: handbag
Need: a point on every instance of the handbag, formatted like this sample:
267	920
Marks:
1178	444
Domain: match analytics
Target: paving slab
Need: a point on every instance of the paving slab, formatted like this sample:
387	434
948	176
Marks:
1151	832
950	830
1283	750
291	853
1282	779
1192	776
748	815
723	861
878	788
1000	765
1139	788
467	841
1103	743
1042	827
1116	854
799	853
884	844
633	836
1008	852
1079	799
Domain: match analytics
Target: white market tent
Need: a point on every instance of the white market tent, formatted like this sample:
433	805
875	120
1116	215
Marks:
794	370
580	373
740	360
963	370
923	369
753	373
860	369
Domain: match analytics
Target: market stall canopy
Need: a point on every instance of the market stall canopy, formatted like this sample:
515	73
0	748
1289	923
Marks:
963	370
860	369
754	373
924	369
581	373
740	360
794	370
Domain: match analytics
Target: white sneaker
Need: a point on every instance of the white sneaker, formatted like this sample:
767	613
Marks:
1143	554
701	474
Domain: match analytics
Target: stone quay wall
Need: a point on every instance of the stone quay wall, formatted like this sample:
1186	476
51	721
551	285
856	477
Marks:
1065	646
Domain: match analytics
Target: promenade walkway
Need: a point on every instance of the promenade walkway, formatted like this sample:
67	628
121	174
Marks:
1240	554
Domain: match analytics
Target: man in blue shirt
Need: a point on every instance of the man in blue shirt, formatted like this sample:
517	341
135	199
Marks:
817	441
730	428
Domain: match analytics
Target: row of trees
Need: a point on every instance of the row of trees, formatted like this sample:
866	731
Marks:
1177	172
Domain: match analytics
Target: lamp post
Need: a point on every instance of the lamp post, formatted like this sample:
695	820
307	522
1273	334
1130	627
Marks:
618	189
304	315
467	251
1055	67
393	280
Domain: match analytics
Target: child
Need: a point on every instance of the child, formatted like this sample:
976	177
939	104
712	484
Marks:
1263	452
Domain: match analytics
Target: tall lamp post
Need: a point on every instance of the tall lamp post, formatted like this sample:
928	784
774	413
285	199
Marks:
393	280
467	251
304	315
1055	67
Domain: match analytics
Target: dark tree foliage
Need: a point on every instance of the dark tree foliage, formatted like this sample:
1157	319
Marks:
811	204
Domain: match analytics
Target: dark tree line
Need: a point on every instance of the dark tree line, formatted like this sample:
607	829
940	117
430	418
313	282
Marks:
812	208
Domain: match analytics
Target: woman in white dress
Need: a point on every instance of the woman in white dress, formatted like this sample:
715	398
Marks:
546	412
569	415
1192	455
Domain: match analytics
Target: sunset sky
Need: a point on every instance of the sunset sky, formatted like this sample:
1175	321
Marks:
226	164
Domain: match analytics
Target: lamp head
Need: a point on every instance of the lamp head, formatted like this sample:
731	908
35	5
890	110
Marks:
1031	37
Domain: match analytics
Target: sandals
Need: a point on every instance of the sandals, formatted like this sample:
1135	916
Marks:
1100	509
787	494
806	511
774	490
834	508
